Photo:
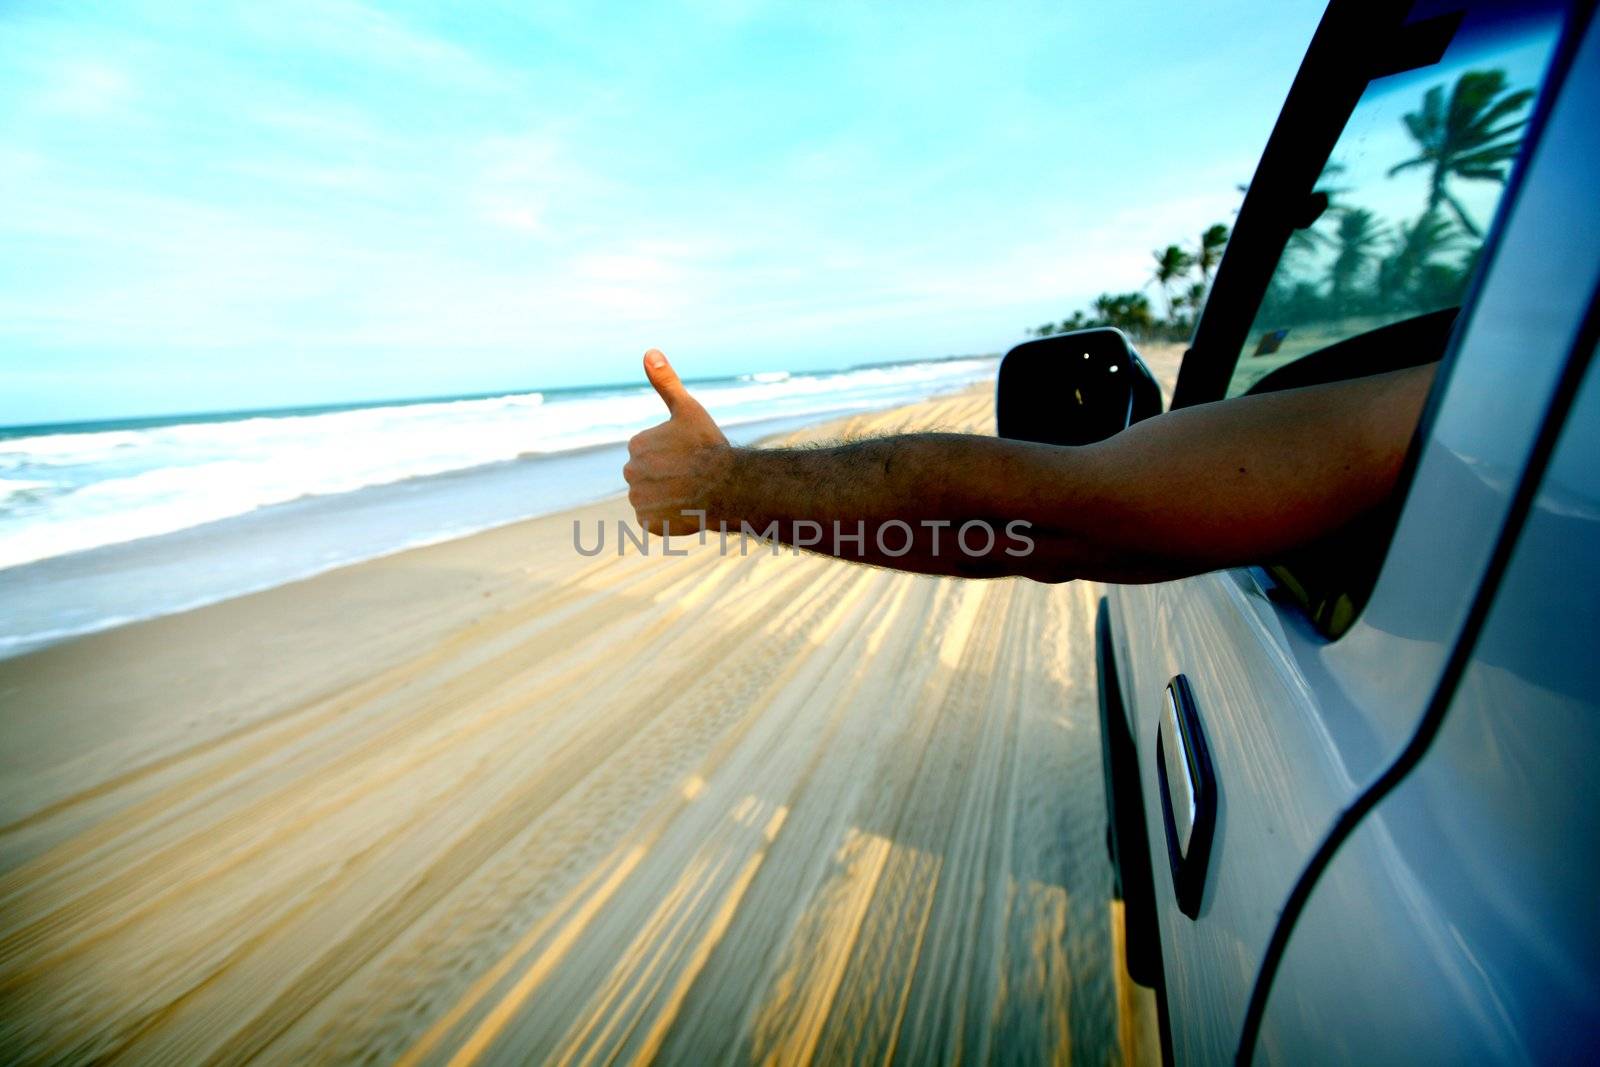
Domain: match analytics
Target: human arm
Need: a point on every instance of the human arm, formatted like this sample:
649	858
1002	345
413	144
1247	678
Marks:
1214	485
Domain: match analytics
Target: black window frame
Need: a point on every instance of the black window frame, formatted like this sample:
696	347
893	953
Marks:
1339	64
1357	42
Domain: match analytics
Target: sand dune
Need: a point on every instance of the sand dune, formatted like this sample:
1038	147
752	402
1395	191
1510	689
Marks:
492	801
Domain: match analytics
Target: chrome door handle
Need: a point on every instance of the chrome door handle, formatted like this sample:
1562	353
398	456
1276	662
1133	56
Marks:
1188	793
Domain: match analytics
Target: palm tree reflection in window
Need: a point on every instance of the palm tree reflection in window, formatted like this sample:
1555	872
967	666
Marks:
1462	140
1355	270
1355	243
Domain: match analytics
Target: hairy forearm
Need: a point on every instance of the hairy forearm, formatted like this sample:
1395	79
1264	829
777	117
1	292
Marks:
1210	486
934	503
1213	486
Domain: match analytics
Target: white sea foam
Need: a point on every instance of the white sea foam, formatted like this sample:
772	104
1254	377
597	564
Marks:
66	492
18	486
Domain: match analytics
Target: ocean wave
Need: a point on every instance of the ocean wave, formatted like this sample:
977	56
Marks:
72	491
10	486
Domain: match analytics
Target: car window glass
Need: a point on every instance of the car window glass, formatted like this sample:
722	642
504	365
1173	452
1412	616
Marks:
1412	184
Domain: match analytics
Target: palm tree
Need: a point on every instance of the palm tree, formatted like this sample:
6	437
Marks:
1210	251
1196	297
1307	241
1172	263
1355	239
1331	169
1412	252
1460	139
1105	308
1304	243
1044	331
1126	311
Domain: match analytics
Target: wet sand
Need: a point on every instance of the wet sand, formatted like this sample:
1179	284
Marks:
493	801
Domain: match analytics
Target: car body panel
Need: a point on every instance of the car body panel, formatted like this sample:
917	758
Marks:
1279	783
1486	854
1299	726
1513	347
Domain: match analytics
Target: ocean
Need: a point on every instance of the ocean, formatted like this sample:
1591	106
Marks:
108	522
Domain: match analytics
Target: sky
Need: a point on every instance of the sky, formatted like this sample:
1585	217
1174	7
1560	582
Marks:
226	206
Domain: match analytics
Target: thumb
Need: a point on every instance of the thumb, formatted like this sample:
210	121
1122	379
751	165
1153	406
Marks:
666	382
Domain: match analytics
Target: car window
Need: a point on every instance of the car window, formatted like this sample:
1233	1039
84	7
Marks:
1411	186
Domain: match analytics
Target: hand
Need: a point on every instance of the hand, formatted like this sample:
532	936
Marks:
672	468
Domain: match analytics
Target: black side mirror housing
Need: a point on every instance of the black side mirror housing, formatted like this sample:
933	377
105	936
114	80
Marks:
1074	388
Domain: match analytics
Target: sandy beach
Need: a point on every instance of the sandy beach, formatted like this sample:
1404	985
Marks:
494	801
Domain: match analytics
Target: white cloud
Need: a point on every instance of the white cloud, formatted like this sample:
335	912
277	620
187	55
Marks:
336	177
87	89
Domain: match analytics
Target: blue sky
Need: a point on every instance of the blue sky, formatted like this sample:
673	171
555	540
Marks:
223	206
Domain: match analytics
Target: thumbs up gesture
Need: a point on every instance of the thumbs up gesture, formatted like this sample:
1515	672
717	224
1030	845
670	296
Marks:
673	468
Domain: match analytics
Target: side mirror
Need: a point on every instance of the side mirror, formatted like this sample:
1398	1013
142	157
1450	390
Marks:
1074	389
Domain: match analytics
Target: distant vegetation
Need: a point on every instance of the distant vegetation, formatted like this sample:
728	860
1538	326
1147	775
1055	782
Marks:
1352	263
1183	276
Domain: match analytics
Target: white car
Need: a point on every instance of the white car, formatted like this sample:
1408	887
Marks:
1353	802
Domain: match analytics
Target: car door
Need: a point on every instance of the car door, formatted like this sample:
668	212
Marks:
1263	701
1456	917
1455	902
